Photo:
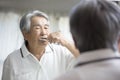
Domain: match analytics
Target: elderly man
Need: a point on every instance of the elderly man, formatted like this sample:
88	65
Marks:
39	58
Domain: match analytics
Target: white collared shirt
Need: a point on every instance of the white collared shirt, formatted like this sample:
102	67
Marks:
22	65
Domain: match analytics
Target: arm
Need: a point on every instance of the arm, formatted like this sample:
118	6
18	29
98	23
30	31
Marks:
57	37
71	47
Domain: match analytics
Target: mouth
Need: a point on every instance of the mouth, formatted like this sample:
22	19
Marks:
43	39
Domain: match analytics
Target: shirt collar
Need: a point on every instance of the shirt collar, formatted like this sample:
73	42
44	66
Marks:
97	54
25	51
48	48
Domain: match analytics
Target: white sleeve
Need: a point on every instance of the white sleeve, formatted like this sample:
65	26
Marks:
70	59
7	73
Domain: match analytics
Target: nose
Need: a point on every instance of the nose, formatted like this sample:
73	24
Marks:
43	32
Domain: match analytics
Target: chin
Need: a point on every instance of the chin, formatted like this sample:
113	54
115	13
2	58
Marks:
43	42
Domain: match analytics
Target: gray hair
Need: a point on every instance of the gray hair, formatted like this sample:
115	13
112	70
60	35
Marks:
26	19
95	24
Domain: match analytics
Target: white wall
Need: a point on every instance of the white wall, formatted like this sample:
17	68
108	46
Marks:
10	35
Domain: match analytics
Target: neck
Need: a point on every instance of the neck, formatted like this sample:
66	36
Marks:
36	50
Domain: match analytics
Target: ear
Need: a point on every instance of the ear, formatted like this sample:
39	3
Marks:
25	35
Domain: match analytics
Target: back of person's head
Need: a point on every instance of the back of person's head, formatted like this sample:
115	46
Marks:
95	25
26	19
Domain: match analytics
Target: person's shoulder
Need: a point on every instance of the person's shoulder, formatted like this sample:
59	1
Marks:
13	55
59	49
57	46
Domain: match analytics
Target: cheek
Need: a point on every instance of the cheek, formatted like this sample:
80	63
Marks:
34	35
37	33
48	32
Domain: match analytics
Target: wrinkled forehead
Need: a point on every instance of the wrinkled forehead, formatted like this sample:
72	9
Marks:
40	19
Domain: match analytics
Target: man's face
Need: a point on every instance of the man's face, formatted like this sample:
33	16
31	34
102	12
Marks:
39	31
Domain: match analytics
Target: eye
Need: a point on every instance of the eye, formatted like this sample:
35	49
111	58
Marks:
46	26
37	27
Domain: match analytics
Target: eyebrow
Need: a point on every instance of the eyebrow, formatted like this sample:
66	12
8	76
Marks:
40	25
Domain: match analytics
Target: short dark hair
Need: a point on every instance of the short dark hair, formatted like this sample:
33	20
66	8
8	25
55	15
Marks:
95	24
